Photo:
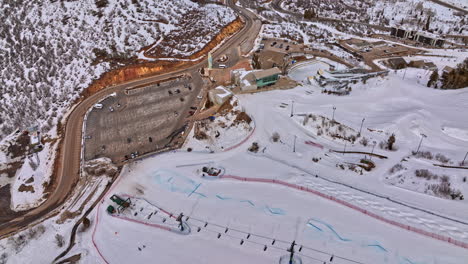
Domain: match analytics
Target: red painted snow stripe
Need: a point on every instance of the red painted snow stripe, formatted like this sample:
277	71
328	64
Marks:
94	232
242	142
352	206
97	220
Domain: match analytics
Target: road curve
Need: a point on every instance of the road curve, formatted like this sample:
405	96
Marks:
70	156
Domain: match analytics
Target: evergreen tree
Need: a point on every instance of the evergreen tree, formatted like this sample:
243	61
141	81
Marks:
433	79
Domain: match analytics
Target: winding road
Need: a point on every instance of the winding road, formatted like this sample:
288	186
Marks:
69	162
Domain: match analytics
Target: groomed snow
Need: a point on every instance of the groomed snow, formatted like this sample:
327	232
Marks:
271	212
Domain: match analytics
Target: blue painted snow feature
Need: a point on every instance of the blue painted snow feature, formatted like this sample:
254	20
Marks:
406	261
247	201
200	194
194	189
333	230
275	211
222	198
314	226
378	247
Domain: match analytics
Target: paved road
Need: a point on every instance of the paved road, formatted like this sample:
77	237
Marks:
442	3
70	157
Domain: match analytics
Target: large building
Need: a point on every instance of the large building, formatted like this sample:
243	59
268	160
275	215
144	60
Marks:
416	36
219	95
249	81
266	77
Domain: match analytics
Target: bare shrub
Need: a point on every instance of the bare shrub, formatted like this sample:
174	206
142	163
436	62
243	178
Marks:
444	178
319	132
17	242
275	137
391	140
364	141
423	154
59	240
315	159
3	258
397	167
441	158
426	174
86	224
382	144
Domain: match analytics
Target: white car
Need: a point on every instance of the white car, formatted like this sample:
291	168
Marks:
200	97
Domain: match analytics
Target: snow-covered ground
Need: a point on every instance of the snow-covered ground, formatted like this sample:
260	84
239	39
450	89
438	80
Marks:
46	240
222	212
40	42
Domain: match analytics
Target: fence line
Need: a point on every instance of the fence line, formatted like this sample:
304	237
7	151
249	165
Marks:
354	207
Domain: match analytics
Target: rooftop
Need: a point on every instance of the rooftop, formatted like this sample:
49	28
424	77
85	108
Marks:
266	73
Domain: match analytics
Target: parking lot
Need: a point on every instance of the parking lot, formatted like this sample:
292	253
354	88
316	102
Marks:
139	120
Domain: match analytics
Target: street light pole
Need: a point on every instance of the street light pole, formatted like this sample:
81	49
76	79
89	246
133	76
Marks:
344	147
333	116
372	152
292	108
294	146
463	162
420	142
360	129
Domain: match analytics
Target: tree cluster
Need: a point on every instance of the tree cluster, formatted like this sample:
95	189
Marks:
458	78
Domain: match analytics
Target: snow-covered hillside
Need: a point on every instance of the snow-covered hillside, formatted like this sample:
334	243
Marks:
51	50
412	14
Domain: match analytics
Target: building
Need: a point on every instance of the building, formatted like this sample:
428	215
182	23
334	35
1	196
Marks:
396	63
447	70
416	64
417	36
266	77
250	81
421	64
219	95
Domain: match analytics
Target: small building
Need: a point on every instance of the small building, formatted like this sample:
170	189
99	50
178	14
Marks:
416	64
247	83
429	65
396	63
219	95
266	77
447	70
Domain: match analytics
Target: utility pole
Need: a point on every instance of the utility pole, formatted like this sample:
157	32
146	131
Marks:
404	74
291	251
463	162
292	108
344	147
372	152
333	116
420	142
179	219
360	129
294	146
